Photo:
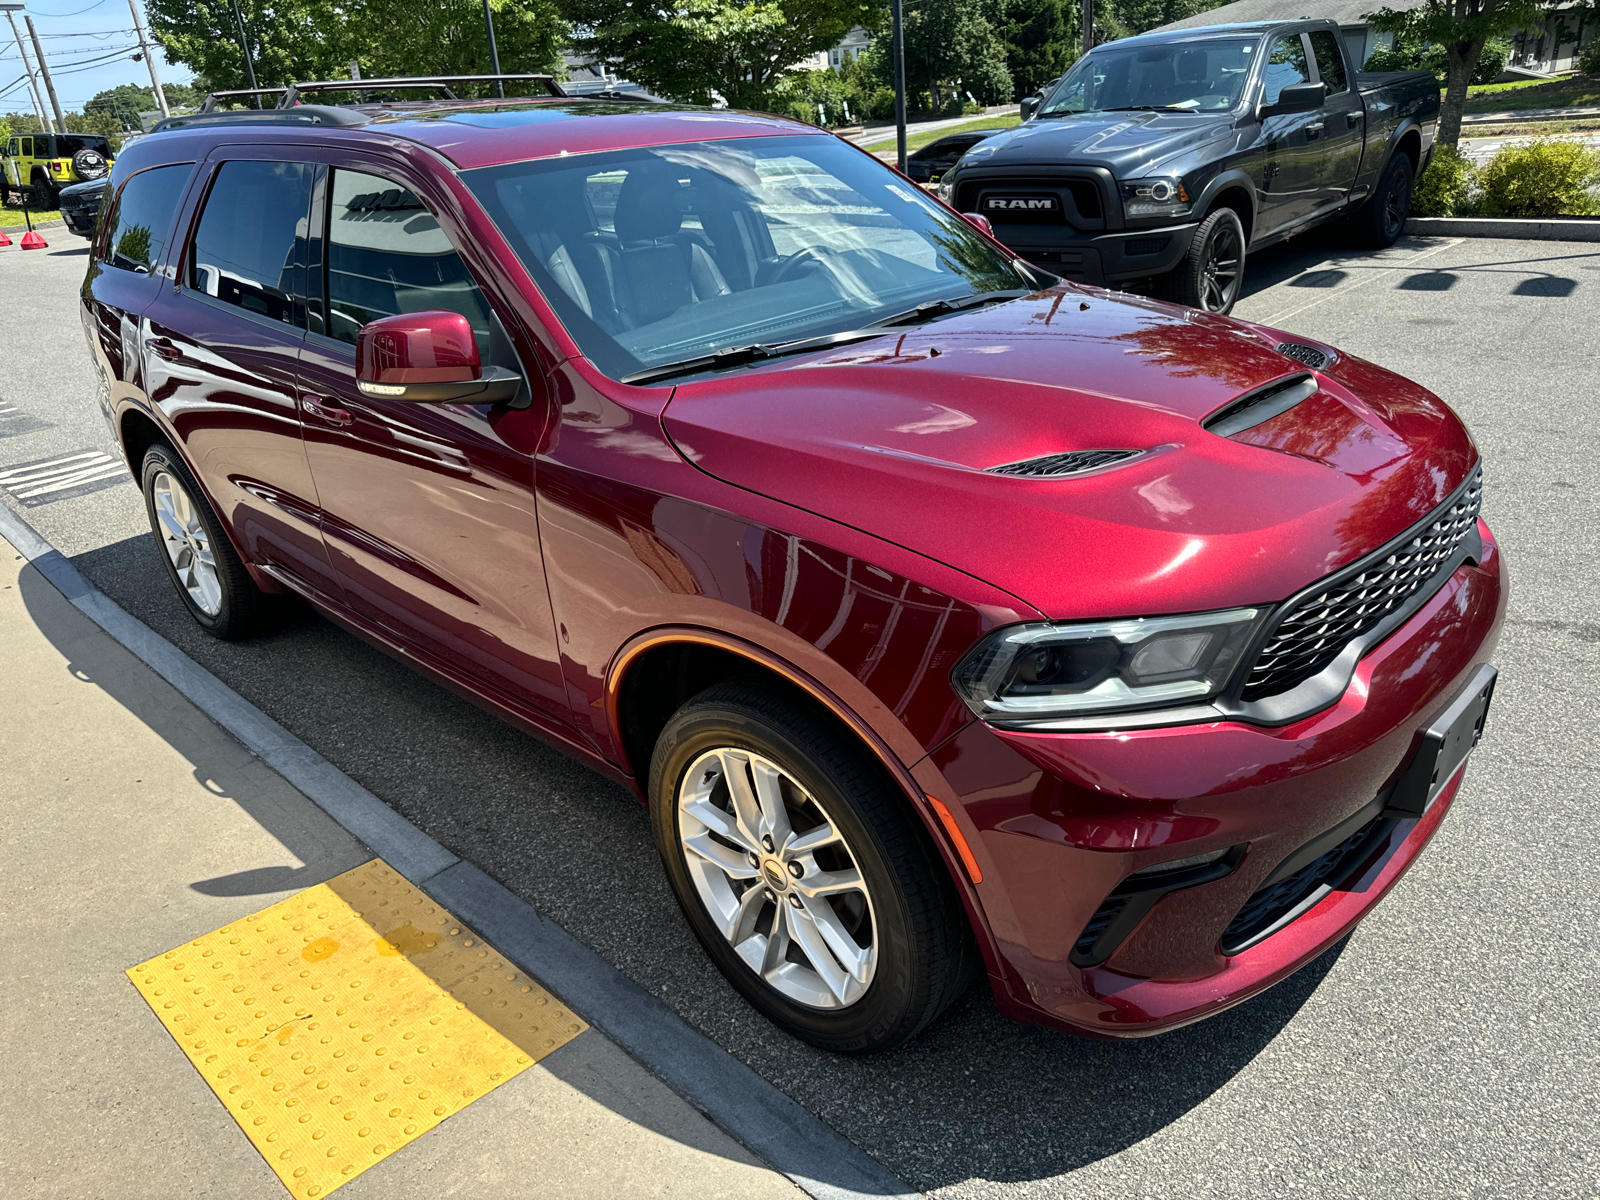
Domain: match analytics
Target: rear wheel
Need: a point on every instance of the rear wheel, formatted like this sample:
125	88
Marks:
1212	273
1382	220
210	577
809	884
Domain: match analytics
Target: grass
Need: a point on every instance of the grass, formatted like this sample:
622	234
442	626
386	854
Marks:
1573	92
916	141
11	214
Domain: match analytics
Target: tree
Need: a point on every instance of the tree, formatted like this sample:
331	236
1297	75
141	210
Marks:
951	47
1040	40
1141	15
690	49
1461	27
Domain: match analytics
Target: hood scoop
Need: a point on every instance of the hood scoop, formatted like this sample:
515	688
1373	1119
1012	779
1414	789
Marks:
1316	359
1072	462
1254	408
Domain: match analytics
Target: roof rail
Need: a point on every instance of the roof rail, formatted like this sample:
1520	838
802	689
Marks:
210	103
440	83
303	114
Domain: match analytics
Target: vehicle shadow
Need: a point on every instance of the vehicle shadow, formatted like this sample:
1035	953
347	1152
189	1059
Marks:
977	1096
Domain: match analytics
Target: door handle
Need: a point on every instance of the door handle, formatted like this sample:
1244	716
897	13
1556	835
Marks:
162	348
1313	131
1352	119
318	407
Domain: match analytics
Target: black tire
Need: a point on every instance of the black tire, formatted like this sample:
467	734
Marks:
1380	222
924	951
45	197
241	608
89	164
1211	275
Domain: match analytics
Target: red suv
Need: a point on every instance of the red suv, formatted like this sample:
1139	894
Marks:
947	616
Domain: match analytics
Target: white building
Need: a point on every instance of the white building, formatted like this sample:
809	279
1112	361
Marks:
853	45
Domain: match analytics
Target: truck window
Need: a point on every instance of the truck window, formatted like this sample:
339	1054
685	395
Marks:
1285	66
250	236
143	217
27	147
1330	64
16	147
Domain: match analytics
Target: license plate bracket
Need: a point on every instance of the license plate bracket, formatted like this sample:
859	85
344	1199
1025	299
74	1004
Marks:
1444	746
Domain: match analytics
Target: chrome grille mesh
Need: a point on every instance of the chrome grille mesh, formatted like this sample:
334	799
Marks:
1070	463
1314	633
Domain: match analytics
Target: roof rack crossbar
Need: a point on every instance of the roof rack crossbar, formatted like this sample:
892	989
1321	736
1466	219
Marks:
304	114
210	102
292	93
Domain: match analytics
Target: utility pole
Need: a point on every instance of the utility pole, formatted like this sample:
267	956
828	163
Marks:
1088	25
244	48
44	69
27	66
149	59
494	51
900	85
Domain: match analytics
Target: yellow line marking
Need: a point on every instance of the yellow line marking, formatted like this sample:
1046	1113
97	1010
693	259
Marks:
348	1020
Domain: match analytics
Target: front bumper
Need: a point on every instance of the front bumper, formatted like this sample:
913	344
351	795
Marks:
80	219
1058	821
1100	258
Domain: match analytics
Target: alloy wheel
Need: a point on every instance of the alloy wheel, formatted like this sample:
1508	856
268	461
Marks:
187	544
1220	279
777	878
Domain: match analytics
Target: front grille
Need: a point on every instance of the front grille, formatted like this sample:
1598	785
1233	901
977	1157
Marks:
1275	905
1318	628
1085	193
1310	355
1072	462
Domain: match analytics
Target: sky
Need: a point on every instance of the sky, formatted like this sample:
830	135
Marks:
78	36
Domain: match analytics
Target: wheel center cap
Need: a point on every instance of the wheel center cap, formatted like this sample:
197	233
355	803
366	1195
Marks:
776	877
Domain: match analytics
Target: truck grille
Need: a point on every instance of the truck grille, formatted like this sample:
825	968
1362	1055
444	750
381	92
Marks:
1317	629
1085	193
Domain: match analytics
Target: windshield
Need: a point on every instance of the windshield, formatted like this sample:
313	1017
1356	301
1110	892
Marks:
1200	76
658	255
68	144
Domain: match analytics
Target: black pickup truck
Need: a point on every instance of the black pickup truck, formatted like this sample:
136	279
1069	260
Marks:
1164	157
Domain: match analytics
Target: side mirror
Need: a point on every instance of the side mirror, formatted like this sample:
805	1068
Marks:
979	222
1297	98
428	357
1030	105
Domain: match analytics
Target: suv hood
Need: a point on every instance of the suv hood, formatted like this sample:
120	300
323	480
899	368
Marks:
1126	142
897	437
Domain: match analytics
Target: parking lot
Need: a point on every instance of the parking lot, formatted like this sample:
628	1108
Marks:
1445	1049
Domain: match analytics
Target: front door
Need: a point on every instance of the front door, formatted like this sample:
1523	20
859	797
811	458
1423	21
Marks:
1343	123
428	509
1289	147
222	351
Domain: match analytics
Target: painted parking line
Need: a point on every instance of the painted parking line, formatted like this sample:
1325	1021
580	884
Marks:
14	421
343	1023
1383	271
46	480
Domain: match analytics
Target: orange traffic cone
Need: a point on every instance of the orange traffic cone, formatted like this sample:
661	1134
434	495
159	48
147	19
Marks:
32	239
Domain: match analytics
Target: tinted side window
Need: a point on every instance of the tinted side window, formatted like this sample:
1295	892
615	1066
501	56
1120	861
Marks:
1329	64
143	217
252	236
27	147
1286	65
387	255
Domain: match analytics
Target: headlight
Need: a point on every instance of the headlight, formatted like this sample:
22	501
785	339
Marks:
1155	198
946	188
1042	671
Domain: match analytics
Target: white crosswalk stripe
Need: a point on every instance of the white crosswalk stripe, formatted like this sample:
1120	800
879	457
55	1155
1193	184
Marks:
46	480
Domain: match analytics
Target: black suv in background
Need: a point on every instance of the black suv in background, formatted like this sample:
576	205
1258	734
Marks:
1166	157
928	164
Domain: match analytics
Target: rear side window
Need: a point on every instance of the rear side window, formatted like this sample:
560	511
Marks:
1285	66
387	255
27	147
142	220
251	237
1329	63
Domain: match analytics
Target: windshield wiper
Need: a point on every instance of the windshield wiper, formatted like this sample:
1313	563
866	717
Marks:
1149	108
929	309
734	356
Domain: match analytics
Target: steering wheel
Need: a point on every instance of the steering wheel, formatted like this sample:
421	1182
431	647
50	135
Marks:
791	263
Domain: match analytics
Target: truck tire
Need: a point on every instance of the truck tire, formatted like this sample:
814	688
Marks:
89	164
44	196
1211	276
1380	222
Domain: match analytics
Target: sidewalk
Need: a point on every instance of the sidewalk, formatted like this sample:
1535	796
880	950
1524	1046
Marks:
135	825
879	133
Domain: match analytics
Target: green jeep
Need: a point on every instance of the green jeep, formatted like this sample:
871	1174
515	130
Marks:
41	164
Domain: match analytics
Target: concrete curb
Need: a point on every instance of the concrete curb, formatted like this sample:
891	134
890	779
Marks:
23	228
1576	229
800	1145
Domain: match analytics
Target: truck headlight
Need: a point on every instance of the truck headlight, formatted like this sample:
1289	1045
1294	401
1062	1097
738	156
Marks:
946	188
1160	197
1043	671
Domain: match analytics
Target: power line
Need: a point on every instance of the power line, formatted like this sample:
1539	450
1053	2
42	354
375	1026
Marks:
79	13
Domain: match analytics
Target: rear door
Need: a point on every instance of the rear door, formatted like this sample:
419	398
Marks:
1288	190
1343	122
221	348
428	509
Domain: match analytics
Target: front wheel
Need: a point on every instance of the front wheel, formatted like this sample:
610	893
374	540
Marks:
803	874
1380	222
1211	275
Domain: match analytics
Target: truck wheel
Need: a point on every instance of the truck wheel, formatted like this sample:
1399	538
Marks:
1382	220
1211	275
810	884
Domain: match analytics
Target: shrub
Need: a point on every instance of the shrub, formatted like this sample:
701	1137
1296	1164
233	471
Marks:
1412	56
1442	190
1542	179
1589	57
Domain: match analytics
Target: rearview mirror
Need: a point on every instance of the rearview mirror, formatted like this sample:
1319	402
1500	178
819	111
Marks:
1030	105
1296	98
428	357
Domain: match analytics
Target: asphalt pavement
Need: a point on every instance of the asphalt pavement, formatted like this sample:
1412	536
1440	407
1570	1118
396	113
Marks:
1445	1049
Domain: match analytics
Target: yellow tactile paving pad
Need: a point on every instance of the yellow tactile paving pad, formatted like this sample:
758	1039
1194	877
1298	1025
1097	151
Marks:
341	1023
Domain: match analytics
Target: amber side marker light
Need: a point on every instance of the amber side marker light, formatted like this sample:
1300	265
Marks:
947	819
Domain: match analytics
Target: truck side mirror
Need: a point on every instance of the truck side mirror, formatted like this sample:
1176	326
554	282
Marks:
1030	105
1297	98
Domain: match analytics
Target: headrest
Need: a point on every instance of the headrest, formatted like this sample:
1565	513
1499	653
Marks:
648	203
1191	66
